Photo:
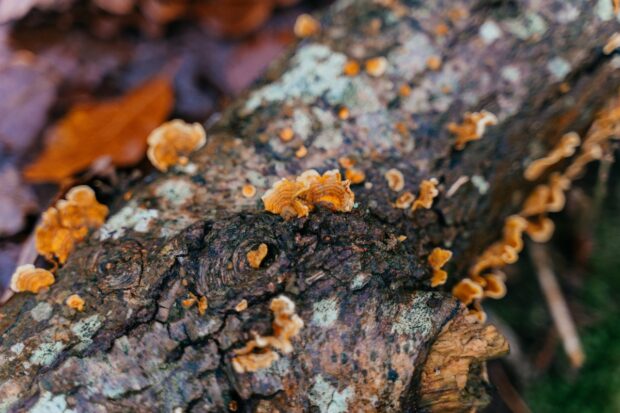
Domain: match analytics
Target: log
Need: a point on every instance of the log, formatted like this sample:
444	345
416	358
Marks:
377	336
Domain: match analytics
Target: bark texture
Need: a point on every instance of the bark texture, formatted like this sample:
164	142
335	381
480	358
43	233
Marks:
371	317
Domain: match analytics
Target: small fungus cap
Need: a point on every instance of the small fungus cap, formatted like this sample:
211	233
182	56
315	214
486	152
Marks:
28	278
172	142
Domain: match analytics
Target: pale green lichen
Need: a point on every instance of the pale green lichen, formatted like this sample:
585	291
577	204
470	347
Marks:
302	124
46	353
489	32
327	398
325	312
529	26
129	217
49	403
176	191
480	183
511	73
604	9
17	348
410	57
416	319
315	71
85	329
41	312
558	67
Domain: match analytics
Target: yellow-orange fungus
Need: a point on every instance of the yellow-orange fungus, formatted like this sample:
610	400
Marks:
306	26
437	259
472	128
260	352
564	149
67	223
466	291
405	200
76	302
395	179
356	176
351	68
28	278
428	192
171	143
376	66
248	191
256	256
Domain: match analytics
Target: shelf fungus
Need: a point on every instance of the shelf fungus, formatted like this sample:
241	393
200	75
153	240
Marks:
467	290
171	143
437	259
76	302
256	256
354	175
260	352
68	222
376	66
306	26
27	278
564	149
473	127
495	286
428	192
404	201
395	179
547	198
540	229
297	198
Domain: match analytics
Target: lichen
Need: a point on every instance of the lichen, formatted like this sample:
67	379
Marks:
41	312
46	353
49	403
416	319
327	398
85	330
489	32
558	67
130	217
325	312
176	191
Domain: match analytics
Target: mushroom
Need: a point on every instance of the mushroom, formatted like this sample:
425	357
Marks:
172	142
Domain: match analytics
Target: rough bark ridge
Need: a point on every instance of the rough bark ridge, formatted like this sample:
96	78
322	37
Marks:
370	314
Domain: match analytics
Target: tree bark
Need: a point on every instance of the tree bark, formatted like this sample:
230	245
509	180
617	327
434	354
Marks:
377	337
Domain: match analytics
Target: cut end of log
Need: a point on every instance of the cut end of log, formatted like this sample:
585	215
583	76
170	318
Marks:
454	377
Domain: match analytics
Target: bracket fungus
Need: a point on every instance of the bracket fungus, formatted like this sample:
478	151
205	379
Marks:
540	229
351	68
28	278
437	259
564	149
171	143
395	179
306	26
256	256
428	192
67	223
467	290
286	325
76	302
472	128
354	175
297	198
404	201
547	198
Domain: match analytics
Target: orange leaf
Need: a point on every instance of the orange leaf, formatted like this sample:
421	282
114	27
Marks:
116	128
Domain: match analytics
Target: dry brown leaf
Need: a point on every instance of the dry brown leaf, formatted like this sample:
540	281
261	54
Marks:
116	128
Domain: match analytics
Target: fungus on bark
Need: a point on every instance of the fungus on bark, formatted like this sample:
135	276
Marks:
428	192
76	302
171	143
395	179
256	256
27	278
564	149
306	26
376	66
472	128
437	259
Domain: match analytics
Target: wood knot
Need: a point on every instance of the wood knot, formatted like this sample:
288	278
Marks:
119	266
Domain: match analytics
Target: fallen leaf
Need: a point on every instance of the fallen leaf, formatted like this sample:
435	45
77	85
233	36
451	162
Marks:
16	202
116	128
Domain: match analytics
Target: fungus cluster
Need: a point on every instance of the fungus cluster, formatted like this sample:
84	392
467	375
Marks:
437	259
564	149
256	256
472	128
201	303
296	198
27	278
428	192
171	143
261	352
67	223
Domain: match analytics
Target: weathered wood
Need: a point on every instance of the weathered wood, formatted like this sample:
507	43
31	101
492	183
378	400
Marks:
370	314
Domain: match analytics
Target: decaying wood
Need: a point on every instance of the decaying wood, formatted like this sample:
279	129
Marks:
364	294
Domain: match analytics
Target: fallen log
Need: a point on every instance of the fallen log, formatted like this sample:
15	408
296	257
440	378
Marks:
377	336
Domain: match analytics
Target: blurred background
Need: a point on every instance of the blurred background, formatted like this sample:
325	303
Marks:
110	69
